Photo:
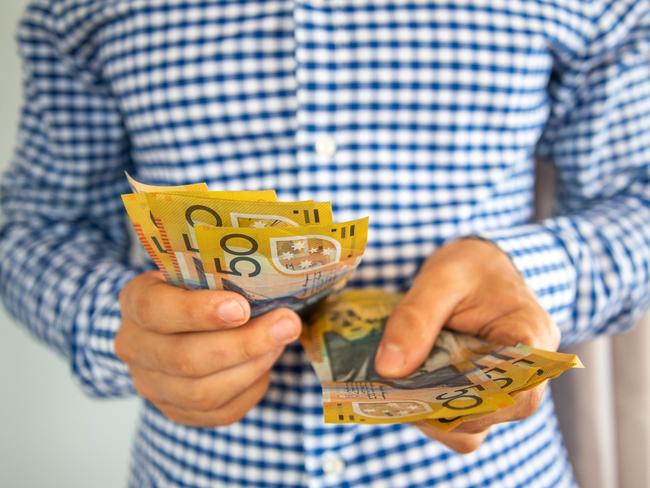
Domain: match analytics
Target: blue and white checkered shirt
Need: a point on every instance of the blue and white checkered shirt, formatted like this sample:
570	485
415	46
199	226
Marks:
427	116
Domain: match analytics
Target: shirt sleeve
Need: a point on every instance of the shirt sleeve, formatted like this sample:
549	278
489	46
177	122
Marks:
63	239
590	264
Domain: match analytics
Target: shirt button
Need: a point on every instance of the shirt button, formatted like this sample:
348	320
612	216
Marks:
333	465
325	146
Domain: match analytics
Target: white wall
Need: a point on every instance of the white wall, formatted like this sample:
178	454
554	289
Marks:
51	436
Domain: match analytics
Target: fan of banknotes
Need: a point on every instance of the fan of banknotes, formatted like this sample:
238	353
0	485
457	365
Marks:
292	254
276	254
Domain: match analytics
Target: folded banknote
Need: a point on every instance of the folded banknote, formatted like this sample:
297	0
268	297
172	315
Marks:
462	378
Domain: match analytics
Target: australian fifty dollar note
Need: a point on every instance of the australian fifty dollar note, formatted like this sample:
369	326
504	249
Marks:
287	266
463	377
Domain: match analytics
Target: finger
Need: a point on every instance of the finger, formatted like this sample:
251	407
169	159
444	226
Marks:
460	442
228	414
527	324
198	354
526	403
158	306
415	323
202	394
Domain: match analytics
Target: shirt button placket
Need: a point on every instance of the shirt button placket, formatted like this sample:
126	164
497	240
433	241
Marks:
316	95
317	149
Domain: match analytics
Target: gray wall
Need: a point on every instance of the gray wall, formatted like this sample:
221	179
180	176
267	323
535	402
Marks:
50	434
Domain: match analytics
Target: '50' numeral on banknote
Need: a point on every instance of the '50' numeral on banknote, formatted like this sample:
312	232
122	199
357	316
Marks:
241	256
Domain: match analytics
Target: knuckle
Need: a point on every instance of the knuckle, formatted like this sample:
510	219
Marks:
228	416
555	335
527	406
407	310
122	297
548	334
231	414
141	306
128	288
173	415
121	346
411	316
510	299
248	348
522	299
527	336
263	383
408	314
262	386
194	308
543	318
267	362
200	399
142	388
222	351
186	418
185	364
468	444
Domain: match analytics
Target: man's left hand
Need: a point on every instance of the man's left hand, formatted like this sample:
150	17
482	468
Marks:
468	286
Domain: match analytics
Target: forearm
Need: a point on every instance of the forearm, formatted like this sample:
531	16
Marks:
62	282
590	265
63	238
589	269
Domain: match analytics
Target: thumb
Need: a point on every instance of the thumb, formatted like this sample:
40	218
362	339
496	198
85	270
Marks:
413	328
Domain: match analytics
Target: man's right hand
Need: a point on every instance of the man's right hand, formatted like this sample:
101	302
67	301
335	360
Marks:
195	354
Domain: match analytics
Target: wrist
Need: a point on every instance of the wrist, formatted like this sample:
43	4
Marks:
477	254
543	261
493	246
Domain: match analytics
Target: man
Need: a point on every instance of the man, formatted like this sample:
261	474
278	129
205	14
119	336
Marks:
426	116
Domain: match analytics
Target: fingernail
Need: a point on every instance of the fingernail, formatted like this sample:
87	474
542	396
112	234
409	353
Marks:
231	311
285	330
391	359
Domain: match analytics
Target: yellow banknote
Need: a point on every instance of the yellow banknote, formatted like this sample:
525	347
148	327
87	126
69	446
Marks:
176	214
463	375
556	356
148	230
238	195
139	187
510	378
385	402
148	234
282	266
344	333
341	341
516	369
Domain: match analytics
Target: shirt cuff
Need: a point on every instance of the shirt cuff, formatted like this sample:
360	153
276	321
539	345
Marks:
544	263
94	361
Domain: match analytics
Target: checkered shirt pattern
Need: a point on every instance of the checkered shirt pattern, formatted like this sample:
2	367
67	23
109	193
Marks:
432	114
